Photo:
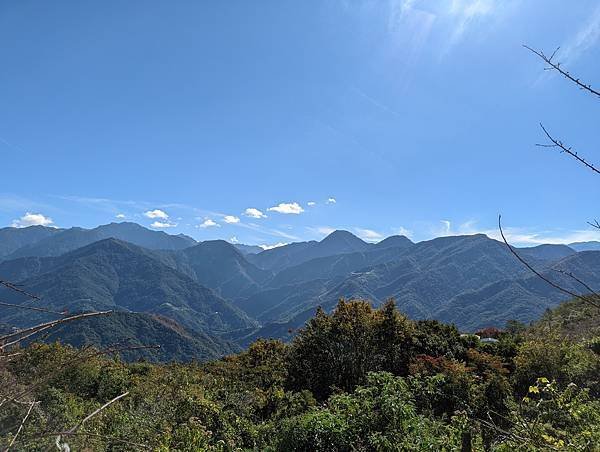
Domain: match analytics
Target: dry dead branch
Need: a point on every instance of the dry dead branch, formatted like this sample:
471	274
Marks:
590	300
556	66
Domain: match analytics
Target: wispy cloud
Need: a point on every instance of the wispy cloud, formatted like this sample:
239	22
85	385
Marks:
331	201
584	39
466	12
120	216
320	231
231	219
403	231
10	202
380	105
368	234
32	219
520	236
115	206
311	203
268	231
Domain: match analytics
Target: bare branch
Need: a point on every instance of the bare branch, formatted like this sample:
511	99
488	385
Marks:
575	278
16	288
31	405
31	308
594	224
588	300
22	338
556	67
44	326
559	144
91	415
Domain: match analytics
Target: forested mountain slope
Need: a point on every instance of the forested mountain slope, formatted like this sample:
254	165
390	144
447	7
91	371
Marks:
215	288
148	336
111	274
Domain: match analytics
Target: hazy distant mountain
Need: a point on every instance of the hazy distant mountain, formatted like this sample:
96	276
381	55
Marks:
219	265
111	274
547	252
340	264
585	246
70	239
214	287
393	241
275	304
524	298
434	279
143	330
248	249
338	242
11	239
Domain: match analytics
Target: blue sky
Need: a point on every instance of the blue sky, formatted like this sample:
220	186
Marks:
380	117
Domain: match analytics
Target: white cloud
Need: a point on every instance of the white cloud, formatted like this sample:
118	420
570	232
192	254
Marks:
230	219
331	201
368	234
32	219
287	208
156	213
120	216
234	240
254	213
163	225
311	203
270	247
208	223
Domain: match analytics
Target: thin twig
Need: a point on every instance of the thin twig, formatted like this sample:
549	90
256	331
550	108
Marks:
553	284
568	150
556	66
575	278
44	326
32	404
91	415
14	287
31	308
594	224
22	338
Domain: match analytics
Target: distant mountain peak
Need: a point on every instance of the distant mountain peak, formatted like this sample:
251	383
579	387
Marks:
341	236
339	233
220	248
585	246
394	241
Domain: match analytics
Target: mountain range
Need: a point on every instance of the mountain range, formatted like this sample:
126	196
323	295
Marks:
206	299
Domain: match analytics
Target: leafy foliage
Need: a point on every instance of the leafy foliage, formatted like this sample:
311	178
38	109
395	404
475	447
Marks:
359	379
